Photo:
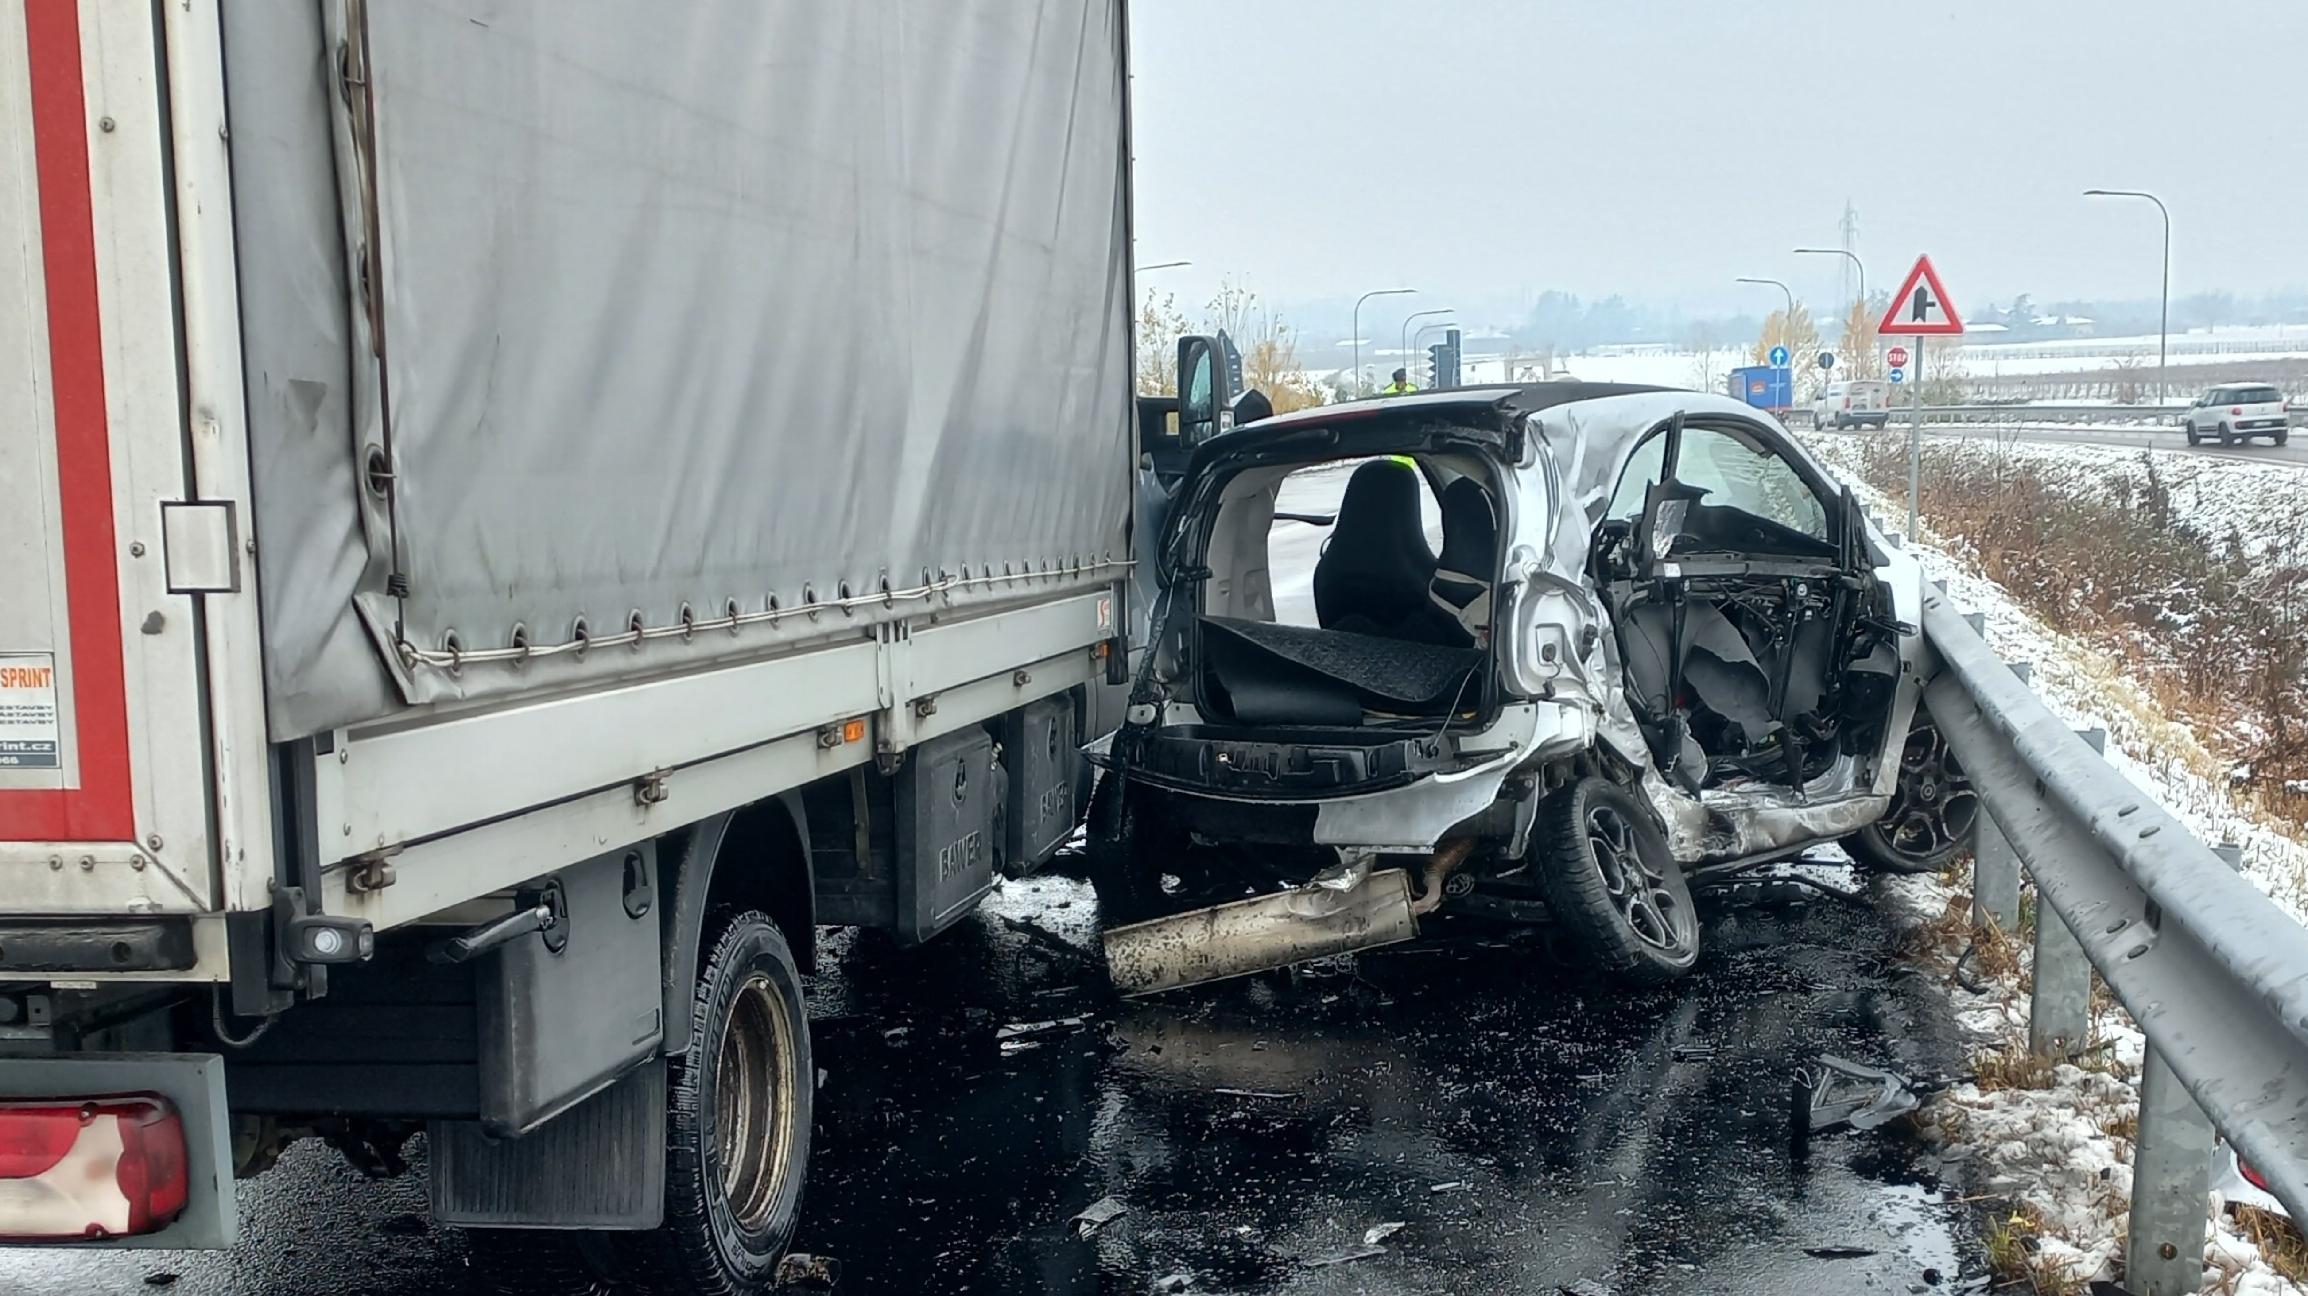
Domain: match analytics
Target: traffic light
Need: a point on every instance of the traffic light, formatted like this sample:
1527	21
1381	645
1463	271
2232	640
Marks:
1449	376
1435	366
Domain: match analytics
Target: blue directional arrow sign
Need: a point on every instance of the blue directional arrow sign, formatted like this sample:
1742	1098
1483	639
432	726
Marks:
1899	375
1779	357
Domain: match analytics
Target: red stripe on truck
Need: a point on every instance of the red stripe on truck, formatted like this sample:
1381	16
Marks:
101	808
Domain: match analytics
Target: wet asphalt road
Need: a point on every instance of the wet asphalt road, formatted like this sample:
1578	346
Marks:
1534	1131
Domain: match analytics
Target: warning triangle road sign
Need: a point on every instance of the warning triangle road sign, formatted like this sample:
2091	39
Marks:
1920	308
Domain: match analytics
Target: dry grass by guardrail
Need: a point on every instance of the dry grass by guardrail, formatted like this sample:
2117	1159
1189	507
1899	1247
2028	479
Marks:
2213	626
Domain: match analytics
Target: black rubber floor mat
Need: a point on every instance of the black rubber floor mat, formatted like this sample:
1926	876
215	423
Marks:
1390	674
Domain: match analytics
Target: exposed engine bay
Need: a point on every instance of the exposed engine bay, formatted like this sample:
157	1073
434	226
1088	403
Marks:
1751	652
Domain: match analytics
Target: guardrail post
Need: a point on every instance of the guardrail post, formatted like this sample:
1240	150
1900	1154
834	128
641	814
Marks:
2060	1014
2230	852
2171	1176
1995	866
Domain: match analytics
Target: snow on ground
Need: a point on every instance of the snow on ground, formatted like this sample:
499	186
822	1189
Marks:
1657	366
2064	1148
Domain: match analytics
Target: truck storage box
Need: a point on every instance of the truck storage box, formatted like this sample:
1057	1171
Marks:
550	1038
1042	756
928	841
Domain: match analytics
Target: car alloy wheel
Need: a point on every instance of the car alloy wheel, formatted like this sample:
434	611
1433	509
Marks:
1607	876
1933	808
1637	886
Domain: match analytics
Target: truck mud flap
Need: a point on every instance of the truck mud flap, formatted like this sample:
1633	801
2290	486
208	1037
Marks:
1262	932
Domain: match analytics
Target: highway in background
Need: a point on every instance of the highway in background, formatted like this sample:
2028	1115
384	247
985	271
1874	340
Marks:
2291	455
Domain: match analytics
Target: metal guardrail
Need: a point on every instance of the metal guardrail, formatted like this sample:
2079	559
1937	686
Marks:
2213	972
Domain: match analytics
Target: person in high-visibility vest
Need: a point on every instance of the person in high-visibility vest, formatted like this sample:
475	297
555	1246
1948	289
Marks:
1401	386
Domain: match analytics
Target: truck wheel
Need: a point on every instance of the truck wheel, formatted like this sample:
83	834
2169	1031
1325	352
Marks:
1607	874
1933	809
737	1125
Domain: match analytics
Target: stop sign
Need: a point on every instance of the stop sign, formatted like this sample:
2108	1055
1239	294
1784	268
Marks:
1897	356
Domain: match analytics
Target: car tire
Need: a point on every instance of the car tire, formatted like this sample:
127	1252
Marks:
1608	877
2193	437
2227	435
2282	435
749	1061
1933	809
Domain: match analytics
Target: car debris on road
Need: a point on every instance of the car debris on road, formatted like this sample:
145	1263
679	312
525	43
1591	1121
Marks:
1098	1215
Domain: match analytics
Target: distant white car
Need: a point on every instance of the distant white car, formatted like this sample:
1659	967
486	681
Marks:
1861	402
2238	412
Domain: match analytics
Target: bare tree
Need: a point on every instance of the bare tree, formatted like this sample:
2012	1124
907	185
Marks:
1859	354
1269	347
1160	325
1801	338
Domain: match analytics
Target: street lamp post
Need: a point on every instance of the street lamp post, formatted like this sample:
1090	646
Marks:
1160	265
2164	323
1357	326
1406	358
1853	257
1787	321
1786	328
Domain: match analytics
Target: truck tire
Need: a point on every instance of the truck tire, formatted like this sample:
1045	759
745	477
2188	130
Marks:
1607	875
1933	809
737	1125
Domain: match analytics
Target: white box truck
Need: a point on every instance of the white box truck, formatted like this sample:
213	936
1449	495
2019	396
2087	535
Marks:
510	516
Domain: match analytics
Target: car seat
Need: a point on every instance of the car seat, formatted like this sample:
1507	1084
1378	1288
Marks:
1461	588
1376	571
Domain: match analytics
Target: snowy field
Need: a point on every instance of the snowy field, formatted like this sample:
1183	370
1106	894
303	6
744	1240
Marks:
2064	1147
1677	367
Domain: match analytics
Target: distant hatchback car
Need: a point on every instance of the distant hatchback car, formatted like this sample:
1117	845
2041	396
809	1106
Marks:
2238	412
1657	639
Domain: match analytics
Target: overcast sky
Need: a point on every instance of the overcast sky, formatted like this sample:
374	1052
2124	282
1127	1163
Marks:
1660	148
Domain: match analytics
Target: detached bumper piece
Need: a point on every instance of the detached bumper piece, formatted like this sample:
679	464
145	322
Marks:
91	1170
1262	932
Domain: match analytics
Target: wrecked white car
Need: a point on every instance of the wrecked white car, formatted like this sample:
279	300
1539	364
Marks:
1571	647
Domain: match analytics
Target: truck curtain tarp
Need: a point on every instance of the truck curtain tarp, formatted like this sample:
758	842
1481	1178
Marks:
682	305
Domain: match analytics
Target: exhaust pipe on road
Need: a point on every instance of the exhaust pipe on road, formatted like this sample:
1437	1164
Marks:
1348	908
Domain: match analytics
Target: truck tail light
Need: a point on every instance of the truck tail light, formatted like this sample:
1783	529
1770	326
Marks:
105	1167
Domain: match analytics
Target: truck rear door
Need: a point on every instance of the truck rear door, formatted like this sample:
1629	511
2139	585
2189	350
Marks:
128	657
